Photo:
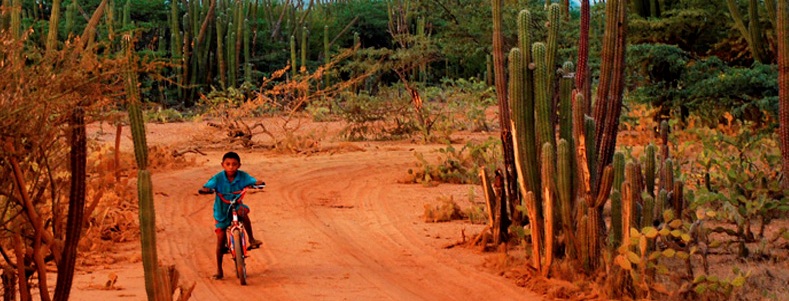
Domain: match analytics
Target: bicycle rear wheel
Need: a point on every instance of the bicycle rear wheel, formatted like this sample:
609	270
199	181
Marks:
241	269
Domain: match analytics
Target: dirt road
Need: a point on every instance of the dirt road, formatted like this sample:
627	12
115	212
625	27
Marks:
335	227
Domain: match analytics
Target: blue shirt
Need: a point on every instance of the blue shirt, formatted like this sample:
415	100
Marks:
220	184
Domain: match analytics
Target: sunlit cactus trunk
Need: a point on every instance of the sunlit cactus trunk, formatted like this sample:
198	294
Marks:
548	176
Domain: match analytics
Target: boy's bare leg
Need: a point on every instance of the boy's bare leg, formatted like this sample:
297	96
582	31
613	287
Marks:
220	252
248	226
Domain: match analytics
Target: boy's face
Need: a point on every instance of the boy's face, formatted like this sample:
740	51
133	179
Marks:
230	166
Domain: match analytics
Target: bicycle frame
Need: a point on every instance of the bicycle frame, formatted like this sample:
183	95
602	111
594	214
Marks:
235	224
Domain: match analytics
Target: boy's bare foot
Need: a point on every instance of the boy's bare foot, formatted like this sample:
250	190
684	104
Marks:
217	277
254	244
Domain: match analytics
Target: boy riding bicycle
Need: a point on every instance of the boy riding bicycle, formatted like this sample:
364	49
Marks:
225	183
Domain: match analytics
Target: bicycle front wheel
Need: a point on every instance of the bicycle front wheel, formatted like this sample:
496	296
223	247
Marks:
241	269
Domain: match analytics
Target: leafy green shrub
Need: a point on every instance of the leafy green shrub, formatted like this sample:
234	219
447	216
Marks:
741	183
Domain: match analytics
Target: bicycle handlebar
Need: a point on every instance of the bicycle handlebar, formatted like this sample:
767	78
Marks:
211	191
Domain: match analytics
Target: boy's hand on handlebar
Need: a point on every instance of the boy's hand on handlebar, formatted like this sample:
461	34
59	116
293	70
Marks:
205	190
259	185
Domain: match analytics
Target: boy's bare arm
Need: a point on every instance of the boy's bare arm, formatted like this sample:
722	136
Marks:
205	190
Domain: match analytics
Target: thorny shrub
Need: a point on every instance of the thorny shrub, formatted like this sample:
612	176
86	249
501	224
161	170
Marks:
459	166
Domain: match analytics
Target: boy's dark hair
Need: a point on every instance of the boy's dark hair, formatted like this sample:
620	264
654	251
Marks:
231	155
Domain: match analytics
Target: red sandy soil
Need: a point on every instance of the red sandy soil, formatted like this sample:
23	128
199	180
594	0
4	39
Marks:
337	224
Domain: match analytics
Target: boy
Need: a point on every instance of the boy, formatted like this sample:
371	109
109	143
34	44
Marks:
226	183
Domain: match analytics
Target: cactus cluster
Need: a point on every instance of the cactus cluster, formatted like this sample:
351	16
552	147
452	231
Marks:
566	187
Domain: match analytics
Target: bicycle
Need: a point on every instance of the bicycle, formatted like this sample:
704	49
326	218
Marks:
236	235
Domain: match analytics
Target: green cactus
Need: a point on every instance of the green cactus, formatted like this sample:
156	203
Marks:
326	57
231	56
616	217
542	100
667	176
247	55
648	213
564	190
525	112
619	170
649	169
554	13
293	56
145	192
220	50
583	241
175	31
660	204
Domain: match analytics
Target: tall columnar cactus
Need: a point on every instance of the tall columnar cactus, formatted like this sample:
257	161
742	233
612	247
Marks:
660	205
648	213
238	20
554	24
247	55
667	175
616	198
326	57
293	68
525	111
175	31
542	99
616	217
145	193
232	60
548	176
220	49
678	199
564	191
303	45
782	29
650	169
